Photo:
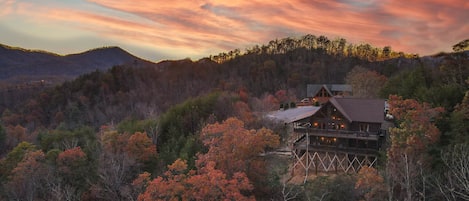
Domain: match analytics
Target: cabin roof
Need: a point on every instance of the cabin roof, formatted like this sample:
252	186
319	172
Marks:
293	114
313	89
360	109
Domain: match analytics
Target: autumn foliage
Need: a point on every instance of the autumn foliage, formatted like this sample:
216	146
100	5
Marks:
416	128
140	146
137	146
207	183
26	178
415	131
73	168
234	148
212	184
371	184
233	151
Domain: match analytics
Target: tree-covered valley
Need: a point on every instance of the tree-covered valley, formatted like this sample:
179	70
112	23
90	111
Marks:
195	130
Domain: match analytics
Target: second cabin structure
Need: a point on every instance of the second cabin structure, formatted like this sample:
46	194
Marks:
320	93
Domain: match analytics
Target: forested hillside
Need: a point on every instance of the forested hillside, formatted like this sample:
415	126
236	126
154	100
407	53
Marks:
21	66
166	127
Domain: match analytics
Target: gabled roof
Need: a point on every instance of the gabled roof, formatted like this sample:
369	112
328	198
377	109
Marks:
359	109
293	114
313	89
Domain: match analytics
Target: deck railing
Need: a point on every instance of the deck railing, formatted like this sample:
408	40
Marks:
339	133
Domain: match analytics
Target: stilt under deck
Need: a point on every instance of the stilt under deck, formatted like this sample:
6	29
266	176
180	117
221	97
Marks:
313	157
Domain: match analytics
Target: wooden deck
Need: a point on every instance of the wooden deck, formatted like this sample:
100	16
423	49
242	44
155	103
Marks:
338	133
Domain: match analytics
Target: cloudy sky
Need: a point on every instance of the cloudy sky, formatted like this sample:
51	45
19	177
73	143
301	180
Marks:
156	29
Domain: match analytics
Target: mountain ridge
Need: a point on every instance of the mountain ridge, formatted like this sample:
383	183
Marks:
19	62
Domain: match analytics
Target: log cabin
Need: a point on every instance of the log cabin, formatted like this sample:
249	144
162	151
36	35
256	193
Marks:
341	135
344	135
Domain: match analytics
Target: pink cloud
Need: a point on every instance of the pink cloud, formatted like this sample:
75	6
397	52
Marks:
6	7
208	27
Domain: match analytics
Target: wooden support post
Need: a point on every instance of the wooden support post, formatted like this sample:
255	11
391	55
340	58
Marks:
316	166
335	165
307	157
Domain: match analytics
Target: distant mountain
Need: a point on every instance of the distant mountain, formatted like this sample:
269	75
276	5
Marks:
29	65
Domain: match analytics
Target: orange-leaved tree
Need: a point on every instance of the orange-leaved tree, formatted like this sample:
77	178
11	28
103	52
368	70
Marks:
407	155
371	184
141	147
170	186
74	170
212	184
234	148
207	183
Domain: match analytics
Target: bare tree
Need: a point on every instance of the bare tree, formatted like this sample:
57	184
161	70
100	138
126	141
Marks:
114	175
289	192
454	183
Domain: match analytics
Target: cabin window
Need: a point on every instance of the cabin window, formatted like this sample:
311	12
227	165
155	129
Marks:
328	141
364	127
323	125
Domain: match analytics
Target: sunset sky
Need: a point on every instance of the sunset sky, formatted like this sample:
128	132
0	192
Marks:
156	30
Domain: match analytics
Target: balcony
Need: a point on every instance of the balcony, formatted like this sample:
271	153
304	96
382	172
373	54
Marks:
301	144
359	135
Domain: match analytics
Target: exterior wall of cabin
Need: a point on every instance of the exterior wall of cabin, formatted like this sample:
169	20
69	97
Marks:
329	117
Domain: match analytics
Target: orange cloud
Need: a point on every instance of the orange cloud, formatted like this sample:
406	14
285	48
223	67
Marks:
203	27
407	26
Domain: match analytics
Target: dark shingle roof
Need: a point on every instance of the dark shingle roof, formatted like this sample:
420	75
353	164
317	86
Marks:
359	109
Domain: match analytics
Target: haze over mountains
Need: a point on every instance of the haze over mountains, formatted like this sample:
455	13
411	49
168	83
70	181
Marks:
37	65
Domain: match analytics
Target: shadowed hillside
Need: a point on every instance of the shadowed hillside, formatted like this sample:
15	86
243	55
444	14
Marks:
19	65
